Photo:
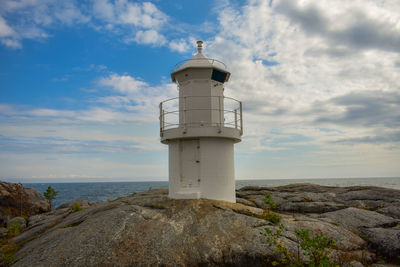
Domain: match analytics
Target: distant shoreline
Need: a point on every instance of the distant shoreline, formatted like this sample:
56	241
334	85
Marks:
106	180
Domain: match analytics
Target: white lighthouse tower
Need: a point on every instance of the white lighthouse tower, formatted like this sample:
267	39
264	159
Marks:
201	127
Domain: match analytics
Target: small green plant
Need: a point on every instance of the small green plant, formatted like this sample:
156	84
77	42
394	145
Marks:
7	252
271	216
76	207
287	258
50	195
14	229
268	214
316	248
7	259
269	201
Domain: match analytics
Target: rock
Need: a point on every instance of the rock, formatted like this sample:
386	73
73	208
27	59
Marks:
385	241
21	222
310	207
345	240
16	200
355	264
392	211
39	227
354	219
310	198
38	218
150	229
245	202
182	232
83	203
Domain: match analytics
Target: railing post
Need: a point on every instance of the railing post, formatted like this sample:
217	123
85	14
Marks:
241	119
220	113
184	114
161	120
236	118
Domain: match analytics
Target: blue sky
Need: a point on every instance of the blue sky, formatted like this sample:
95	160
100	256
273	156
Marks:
80	82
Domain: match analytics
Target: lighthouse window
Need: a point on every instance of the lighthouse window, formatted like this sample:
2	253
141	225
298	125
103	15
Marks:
218	76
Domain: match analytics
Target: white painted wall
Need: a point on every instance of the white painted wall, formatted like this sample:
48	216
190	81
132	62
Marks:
202	168
197	91
217	169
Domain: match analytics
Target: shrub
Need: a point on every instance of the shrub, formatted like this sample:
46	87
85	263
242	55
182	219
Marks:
14	229
269	201
316	248
76	207
50	195
268	214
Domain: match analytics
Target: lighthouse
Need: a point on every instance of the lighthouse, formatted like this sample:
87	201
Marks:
200	127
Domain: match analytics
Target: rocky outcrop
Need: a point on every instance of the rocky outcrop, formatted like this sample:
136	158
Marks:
16	200
151	229
81	203
372	213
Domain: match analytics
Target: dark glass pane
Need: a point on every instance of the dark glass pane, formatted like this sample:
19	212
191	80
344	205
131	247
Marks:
218	76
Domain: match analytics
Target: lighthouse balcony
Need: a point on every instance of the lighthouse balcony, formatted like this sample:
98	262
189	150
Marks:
201	116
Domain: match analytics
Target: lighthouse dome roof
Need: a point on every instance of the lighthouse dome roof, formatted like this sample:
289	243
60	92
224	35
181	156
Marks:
200	61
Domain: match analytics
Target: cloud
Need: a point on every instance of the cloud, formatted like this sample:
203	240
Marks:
356	29
11	43
145	15
126	100
181	45
136	96
149	37
142	21
59	145
365	109
5	30
122	83
320	76
31	19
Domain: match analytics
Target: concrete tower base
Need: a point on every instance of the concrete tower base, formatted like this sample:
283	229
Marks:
202	168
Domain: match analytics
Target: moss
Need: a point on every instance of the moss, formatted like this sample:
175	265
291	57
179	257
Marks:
252	200
155	206
366	239
7	253
66	226
305	199
71	225
76	207
333	223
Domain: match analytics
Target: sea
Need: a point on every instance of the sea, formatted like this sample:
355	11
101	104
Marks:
103	191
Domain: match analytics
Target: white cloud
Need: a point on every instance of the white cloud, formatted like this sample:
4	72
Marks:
104	10
151	37
11	43
136	96
291	71
181	45
68	13
31	19
146	15
122	83
5	30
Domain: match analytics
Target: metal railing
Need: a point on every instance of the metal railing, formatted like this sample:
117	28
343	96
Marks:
213	62
179	112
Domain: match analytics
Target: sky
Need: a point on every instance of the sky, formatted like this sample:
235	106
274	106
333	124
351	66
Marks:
80	84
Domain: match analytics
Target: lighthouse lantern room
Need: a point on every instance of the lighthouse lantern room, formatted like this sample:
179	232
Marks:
200	127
